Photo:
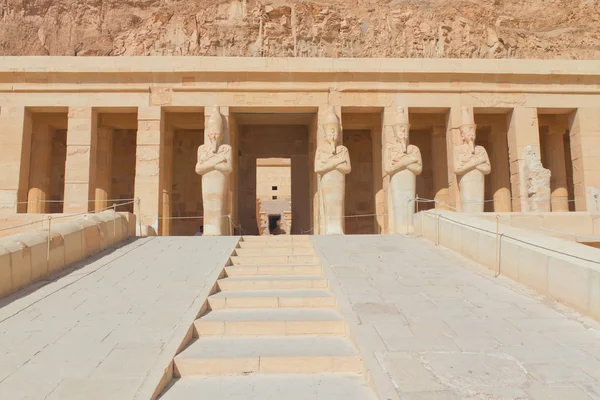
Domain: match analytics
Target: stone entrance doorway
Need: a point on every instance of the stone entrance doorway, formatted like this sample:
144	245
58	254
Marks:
273	161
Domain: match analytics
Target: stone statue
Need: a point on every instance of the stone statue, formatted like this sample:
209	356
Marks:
332	163
471	163
402	162
536	181
215	165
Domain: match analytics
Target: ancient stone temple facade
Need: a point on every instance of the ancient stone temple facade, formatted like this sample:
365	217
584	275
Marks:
367	142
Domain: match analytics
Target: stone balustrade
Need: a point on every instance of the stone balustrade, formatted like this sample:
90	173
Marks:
26	258
563	270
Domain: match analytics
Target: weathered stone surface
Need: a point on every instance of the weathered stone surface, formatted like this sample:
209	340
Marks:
536	179
334	28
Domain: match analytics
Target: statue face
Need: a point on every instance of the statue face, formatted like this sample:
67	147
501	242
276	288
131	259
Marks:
467	133
332	133
401	132
214	136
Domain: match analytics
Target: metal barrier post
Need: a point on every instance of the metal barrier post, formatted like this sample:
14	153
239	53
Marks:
139	207
497	245
114	207
49	237
407	214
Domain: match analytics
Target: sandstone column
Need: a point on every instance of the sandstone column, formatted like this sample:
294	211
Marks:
440	166
378	180
102	172
332	164
15	141
471	164
523	131
82	127
500	177
147	165
387	120
555	149
585	153
402	163
166	179
40	168
452	140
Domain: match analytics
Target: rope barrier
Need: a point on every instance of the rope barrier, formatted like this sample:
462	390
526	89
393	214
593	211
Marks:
60	201
511	237
500	235
512	221
55	217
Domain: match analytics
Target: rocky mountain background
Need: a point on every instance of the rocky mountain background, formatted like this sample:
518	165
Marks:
565	29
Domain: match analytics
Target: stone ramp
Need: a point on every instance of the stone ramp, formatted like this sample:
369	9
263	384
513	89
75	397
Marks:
97	331
271	329
431	324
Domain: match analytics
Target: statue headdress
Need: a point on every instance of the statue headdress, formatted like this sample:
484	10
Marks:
466	116
215	121
331	117
401	115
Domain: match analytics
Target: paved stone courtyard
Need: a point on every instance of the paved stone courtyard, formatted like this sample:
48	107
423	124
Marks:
442	327
429	324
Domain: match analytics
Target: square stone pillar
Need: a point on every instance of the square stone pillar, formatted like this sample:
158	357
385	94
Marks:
452	140
523	131
82	126
387	122
585	154
378	176
102	171
313	132
166	179
151	128
554	148
440	166
15	141
500	175
40	169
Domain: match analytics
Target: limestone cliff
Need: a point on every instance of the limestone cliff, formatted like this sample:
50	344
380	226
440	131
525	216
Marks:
568	29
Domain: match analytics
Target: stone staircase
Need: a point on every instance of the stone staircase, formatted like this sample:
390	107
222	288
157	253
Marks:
270	330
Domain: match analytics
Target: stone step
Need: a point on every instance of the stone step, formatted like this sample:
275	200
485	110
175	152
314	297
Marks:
266	260
275	251
271	321
272	299
277	238
273	270
273	387
238	283
263	244
268	355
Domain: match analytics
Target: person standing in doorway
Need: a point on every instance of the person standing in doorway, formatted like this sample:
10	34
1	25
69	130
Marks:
200	232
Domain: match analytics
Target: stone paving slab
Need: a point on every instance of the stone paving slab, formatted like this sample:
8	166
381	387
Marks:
97	331
438	326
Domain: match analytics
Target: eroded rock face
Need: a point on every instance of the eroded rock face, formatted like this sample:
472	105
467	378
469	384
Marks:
537	182
330	28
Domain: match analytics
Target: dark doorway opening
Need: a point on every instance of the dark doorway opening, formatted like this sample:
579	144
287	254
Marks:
273	223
